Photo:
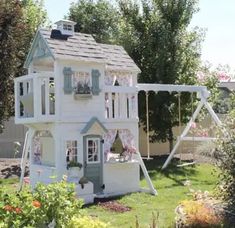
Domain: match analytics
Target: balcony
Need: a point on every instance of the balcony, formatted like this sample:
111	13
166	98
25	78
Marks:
35	98
121	103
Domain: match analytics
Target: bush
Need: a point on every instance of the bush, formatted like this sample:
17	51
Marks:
225	156
197	214
58	202
47	203
85	221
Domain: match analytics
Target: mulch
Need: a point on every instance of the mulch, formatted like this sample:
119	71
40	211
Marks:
10	168
114	206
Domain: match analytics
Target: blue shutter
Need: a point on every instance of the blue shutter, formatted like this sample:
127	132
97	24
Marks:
68	89
95	75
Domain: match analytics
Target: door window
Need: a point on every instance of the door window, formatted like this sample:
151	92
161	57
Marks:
93	150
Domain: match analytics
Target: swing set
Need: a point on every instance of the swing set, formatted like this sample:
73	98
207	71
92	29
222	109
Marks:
202	94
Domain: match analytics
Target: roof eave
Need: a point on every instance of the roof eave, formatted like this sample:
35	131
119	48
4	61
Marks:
124	69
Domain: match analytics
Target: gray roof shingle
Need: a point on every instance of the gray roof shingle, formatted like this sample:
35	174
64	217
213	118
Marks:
83	47
117	58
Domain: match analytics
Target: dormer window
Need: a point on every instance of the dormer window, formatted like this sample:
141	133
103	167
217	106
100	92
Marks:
66	27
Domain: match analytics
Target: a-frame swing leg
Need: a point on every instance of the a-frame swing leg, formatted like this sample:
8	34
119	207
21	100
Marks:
212	113
187	128
28	136
146	175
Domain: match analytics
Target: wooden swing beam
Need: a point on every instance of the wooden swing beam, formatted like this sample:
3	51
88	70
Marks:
203	94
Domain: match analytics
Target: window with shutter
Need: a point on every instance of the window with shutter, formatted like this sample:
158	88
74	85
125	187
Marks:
95	74
68	89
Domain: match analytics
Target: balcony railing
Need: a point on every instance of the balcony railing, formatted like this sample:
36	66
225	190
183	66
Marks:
121	102
35	97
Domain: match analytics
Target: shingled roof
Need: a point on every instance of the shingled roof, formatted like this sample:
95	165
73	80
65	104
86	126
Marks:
83	47
117	58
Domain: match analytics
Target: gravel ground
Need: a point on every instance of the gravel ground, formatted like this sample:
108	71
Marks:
10	168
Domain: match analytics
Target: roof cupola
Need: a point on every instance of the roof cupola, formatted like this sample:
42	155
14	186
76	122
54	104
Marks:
66	27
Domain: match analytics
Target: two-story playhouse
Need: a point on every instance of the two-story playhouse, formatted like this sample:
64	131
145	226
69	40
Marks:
78	100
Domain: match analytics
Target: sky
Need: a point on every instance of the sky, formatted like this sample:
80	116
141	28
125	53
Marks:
216	16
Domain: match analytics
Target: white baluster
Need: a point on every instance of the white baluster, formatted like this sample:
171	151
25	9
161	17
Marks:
110	106
47	97
116	106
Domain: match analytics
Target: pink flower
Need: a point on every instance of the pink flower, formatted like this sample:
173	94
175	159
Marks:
193	125
204	134
201	76
26	180
222	76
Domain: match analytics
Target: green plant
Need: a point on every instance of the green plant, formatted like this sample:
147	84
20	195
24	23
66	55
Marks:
58	202
82	88
85	221
47	203
74	164
20	210
197	214
225	160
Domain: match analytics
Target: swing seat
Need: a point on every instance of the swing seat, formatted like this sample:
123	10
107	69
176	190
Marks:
147	158
186	164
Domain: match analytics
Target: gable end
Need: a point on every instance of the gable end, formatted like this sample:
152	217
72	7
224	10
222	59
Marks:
39	49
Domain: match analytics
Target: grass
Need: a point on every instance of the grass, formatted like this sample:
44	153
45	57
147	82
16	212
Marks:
171	191
10	184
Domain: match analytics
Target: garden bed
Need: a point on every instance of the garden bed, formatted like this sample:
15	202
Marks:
10	168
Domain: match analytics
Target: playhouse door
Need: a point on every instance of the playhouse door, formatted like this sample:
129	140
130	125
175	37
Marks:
93	160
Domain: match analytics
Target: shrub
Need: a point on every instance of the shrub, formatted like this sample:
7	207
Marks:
201	211
198	214
225	156
85	221
18	210
57	202
47	203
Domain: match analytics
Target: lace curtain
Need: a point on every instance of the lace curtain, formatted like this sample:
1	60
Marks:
124	79
127	139
109	139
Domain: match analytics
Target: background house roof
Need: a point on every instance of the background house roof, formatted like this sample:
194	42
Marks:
83	47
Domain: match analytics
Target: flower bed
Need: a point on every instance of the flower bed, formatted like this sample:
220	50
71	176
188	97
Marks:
47	204
201	211
114	206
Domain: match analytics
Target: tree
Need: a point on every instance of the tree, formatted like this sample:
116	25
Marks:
18	23
167	53
98	18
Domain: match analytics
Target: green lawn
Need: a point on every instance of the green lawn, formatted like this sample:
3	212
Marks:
171	191
10	184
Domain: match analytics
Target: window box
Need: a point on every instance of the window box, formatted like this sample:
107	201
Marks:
73	169
82	96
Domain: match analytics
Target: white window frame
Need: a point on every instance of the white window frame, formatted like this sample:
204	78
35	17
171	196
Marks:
67	27
98	150
72	147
